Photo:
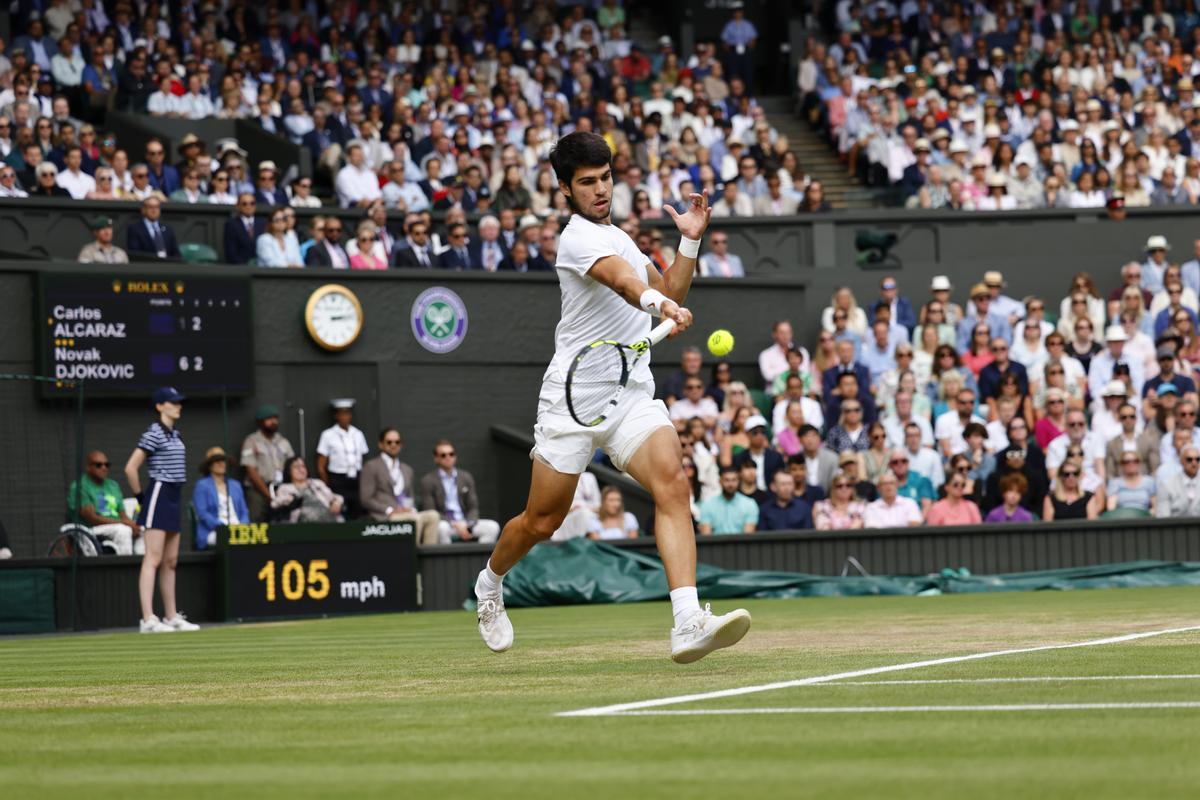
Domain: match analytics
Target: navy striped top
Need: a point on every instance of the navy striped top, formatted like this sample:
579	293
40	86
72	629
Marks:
166	454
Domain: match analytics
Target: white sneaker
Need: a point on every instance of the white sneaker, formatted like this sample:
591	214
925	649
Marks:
494	626
179	623
702	633
154	625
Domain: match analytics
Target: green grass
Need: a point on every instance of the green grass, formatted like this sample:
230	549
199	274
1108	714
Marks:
415	706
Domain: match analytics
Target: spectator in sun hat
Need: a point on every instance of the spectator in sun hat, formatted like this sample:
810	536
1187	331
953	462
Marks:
217	499
1008	307
1103	365
767	460
266	190
1155	264
939	289
980	310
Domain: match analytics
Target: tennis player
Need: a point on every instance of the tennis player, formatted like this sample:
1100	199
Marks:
611	291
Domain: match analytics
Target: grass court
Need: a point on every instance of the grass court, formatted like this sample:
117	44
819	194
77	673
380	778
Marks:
415	706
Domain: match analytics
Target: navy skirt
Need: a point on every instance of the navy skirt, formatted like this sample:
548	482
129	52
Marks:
161	507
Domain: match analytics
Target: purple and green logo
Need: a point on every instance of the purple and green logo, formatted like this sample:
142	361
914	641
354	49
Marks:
439	319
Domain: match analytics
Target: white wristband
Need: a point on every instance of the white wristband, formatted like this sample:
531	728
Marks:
652	300
689	248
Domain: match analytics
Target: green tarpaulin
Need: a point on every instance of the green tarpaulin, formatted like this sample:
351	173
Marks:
585	571
26	601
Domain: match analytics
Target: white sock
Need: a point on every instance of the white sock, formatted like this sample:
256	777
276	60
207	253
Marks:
488	581
684	603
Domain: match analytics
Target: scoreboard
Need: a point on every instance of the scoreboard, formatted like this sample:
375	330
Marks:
313	569
124	334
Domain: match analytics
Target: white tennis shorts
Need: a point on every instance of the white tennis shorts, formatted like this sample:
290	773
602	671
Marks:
568	447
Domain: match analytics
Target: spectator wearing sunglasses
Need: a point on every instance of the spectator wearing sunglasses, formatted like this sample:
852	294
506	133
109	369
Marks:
1068	499
1185	431
955	508
1130	488
9	187
1179	495
1076	440
1130	440
102	508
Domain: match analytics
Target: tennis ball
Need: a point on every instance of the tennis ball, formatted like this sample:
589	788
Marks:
720	342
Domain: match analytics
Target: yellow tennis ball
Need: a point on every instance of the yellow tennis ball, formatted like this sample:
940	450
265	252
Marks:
720	342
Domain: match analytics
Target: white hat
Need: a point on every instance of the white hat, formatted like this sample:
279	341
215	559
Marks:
1093	105
486	139
460	110
1069	125
996	180
754	421
528	221
1115	388
981	160
991	131
993	277
921	144
940	283
1023	161
263	166
1157	243
664	41
958	146
1116	333
340	403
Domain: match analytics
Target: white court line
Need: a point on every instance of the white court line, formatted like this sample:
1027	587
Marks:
1040	679
696	712
619	708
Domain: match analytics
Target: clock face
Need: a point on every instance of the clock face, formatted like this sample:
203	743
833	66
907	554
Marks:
334	317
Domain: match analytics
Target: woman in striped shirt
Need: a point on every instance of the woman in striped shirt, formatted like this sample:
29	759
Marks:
161	447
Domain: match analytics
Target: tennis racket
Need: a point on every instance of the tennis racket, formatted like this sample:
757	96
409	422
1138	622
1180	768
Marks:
600	371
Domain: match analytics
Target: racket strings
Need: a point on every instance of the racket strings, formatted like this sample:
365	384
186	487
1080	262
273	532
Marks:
595	381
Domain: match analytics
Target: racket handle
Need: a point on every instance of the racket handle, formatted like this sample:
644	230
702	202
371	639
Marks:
660	331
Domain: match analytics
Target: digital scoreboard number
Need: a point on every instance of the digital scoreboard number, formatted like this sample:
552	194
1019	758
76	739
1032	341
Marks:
279	570
128	334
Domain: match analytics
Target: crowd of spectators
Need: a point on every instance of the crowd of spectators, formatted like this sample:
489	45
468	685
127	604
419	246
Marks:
996	106
413	107
916	409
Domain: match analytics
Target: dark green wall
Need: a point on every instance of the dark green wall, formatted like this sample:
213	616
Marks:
492	379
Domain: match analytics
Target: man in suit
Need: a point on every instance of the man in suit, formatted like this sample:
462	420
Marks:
329	252
821	462
264	119
242	231
266	190
416	252
901	307
1179	495
163	176
150	236
386	490
451	491
489	251
719	262
458	257
1130	440
767	460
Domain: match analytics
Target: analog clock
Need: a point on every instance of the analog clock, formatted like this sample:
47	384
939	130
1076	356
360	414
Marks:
334	317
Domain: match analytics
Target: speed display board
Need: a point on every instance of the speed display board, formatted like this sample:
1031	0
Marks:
310	569
128	334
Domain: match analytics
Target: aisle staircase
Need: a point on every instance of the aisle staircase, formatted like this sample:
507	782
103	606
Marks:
817	158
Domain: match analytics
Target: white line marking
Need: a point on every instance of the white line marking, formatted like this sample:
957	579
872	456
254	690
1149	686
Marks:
1041	679
619	708
696	712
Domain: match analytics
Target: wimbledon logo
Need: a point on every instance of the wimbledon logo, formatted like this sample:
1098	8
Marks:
439	320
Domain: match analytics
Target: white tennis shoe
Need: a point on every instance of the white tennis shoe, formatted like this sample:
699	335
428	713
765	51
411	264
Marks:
494	626
154	625
704	632
180	623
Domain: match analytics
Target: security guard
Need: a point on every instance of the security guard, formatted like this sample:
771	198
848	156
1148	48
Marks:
340	454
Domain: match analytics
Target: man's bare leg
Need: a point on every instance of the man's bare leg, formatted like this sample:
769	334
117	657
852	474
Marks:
658	466
550	496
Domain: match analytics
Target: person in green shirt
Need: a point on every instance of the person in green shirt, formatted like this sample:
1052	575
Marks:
730	511
102	507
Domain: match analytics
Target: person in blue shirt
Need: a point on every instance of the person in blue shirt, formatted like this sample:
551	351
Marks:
998	325
785	511
217	501
913	485
730	511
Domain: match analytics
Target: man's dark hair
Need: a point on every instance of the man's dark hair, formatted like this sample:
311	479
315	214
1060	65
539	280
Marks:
728	469
798	458
579	149
383	433
456	226
807	429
